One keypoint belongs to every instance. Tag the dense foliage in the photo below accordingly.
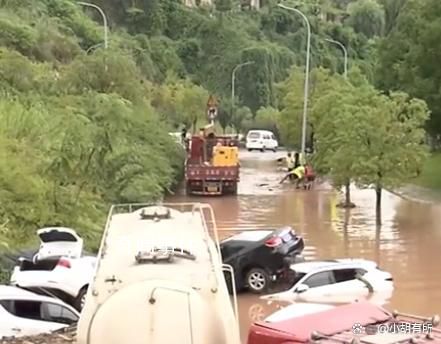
(84, 126)
(360, 135)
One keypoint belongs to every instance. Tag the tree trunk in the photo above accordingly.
(347, 193)
(347, 203)
(378, 192)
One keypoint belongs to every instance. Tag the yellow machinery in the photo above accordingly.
(225, 156)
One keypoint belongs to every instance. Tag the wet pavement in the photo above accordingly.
(408, 243)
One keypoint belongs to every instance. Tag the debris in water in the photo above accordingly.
(65, 335)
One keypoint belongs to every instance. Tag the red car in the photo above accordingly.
(364, 322)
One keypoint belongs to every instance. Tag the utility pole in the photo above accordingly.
(233, 80)
(306, 88)
(87, 4)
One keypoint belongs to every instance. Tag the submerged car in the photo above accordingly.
(59, 267)
(261, 257)
(23, 313)
(337, 281)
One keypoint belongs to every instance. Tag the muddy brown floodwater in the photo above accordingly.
(408, 243)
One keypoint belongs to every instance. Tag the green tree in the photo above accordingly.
(291, 98)
(191, 103)
(392, 142)
(267, 118)
(340, 117)
(392, 10)
(367, 17)
(240, 118)
(408, 60)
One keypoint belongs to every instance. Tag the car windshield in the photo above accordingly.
(253, 135)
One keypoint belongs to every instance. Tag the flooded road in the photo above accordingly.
(408, 243)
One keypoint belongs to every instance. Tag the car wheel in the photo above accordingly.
(263, 149)
(257, 280)
(249, 150)
(80, 300)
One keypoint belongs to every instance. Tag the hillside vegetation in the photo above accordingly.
(84, 126)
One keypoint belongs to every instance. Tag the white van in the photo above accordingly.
(261, 140)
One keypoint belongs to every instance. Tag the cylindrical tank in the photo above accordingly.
(155, 312)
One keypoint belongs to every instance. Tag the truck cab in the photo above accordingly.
(212, 166)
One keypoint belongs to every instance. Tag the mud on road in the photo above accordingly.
(64, 336)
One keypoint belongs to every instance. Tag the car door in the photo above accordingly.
(9, 326)
(27, 317)
(318, 286)
(267, 141)
(274, 141)
(347, 286)
(56, 313)
(231, 255)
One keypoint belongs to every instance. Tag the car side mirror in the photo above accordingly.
(301, 288)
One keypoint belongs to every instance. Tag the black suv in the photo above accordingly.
(260, 257)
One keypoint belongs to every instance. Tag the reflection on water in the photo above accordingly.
(408, 243)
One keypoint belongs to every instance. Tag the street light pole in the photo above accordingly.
(102, 15)
(306, 91)
(345, 52)
(93, 47)
(233, 78)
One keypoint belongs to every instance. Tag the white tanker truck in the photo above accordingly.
(159, 280)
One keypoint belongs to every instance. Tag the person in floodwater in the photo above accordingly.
(296, 174)
(289, 162)
(183, 135)
(296, 160)
(309, 177)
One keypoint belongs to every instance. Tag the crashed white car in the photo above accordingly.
(337, 281)
(58, 268)
(23, 313)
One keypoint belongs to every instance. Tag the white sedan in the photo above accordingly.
(59, 267)
(23, 313)
(337, 281)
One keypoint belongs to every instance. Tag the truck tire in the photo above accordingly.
(187, 189)
(234, 189)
